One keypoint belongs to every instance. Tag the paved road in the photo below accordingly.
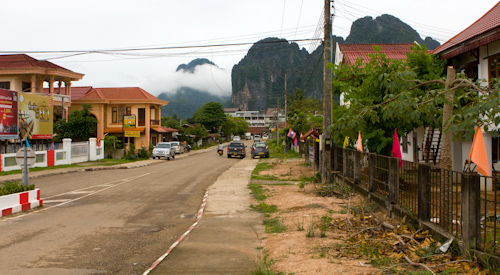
(110, 222)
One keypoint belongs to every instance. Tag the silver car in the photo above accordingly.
(163, 149)
(177, 147)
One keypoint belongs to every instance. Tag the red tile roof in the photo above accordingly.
(484, 31)
(256, 130)
(26, 61)
(352, 52)
(76, 92)
(117, 94)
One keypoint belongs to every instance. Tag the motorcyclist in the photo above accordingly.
(220, 147)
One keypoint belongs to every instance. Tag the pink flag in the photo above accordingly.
(295, 142)
(396, 149)
(359, 145)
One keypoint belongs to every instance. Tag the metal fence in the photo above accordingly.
(439, 197)
(79, 149)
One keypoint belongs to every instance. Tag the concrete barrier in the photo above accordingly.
(14, 203)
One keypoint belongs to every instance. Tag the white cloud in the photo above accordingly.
(206, 77)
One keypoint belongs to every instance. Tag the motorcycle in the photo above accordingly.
(220, 152)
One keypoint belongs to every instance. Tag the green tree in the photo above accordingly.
(211, 115)
(171, 122)
(199, 131)
(81, 125)
(371, 87)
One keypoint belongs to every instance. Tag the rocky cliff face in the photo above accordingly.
(258, 80)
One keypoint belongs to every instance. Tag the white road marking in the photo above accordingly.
(119, 182)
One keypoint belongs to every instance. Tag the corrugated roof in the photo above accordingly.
(466, 40)
(352, 52)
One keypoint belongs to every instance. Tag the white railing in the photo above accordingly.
(75, 152)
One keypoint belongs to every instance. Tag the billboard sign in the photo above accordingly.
(8, 114)
(129, 121)
(36, 117)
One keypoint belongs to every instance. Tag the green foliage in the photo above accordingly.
(112, 143)
(234, 125)
(171, 122)
(199, 131)
(13, 187)
(211, 115)
(274, 225)
(130, 153)
(80, 126)
(143, 153)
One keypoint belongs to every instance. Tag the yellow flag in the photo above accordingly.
(346, 142)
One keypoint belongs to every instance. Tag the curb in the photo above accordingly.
(198, 218)
(18, 202)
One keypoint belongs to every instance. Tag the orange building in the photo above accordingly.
(110, 105)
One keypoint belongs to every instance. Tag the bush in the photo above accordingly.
(130, 154)
(143, 154)
(14, 187)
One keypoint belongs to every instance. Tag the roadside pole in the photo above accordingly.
(326, 136)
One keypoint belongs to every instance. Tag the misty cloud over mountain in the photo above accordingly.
(199, 74)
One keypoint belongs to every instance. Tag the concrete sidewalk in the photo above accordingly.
(226, 239)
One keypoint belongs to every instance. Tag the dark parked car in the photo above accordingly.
(236, 149)
(260, 149)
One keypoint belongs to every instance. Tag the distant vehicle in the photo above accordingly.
(236, 138)
(248, 136)
(260, 149)
(256, 138)
(265, 137)
(177, 147)
(163, 149)
(236, 149)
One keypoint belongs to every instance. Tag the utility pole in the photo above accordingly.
(278, 124)
(327, 119)
(286, 115)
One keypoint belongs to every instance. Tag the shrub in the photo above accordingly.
(14, 187)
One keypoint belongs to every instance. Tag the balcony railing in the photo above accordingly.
(155, 122)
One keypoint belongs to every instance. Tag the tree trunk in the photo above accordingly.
(445, 162)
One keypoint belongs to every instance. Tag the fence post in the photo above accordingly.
(357, 167)
(67, 149)
(424, 192)
(344, 163)
(471, 217)
(372, 164)
(393, 180)
(334, 158)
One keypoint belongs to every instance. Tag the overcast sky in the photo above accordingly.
(104, 25)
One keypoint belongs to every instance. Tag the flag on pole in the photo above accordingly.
(346, 142)
(291, 134)
(359, 144)
(396, 148)
(98, 142)
(295, 142)
(478, 153)
(27, 144)
(52, 147)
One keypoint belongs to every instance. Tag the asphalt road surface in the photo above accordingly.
(109, 222)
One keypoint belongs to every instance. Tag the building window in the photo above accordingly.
(405, 144)
(5, 85)
(494, 66)
(141, 117)
(114, 115)
(26, 87)
(494, 149)
(128, 111)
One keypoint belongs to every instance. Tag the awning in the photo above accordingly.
(163, 129)
(121, 130)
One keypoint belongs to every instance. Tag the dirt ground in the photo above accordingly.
(303, 211)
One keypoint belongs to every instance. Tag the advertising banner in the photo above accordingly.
(129, 121)
(36, 116)
(8, 114)
(132, 134)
